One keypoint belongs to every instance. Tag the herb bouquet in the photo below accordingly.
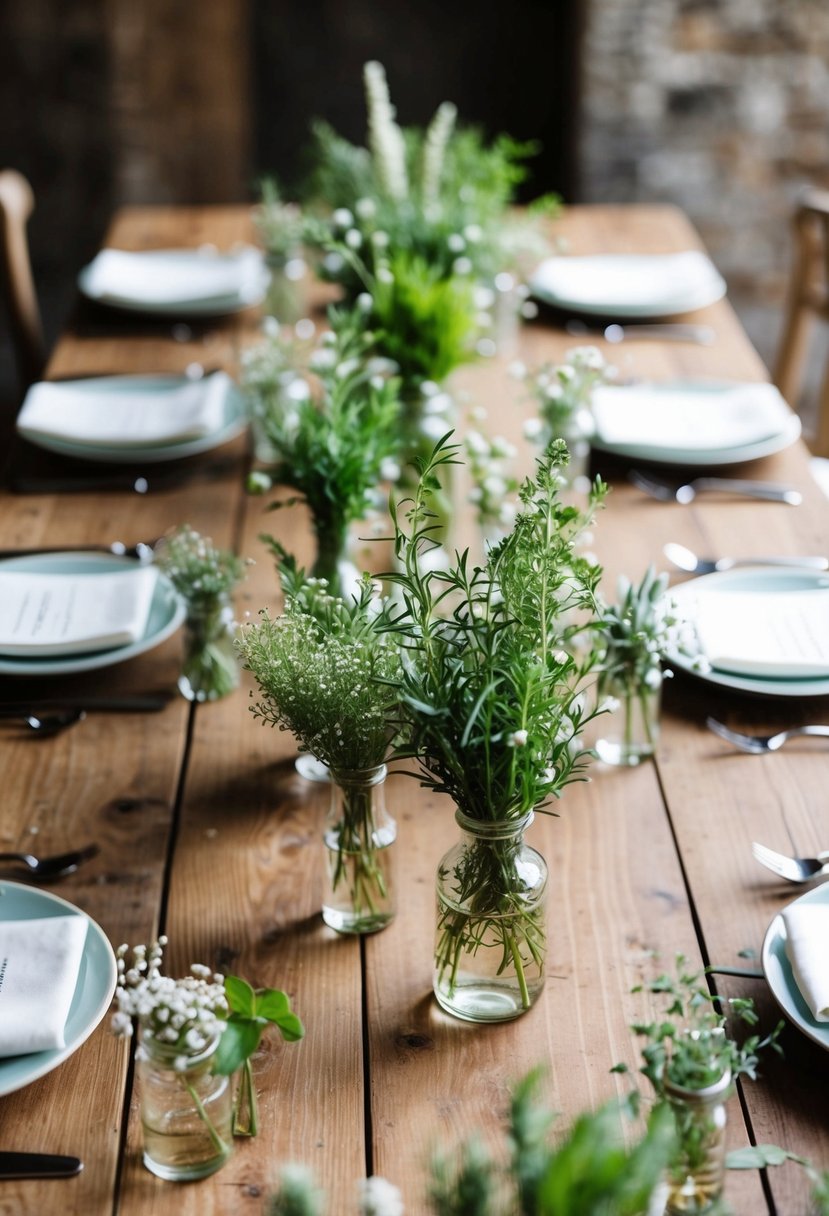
(692, 1063)
(331, 428)
(204, 577)
(327, 671)
(636, 632)
(493, 709)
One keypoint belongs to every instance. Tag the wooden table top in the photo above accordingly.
(206, 831)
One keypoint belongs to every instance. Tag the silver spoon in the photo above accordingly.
(685, 559)
(47, 724)
(55, 866)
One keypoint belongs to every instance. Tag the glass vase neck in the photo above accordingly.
(362, 778)
(497, 829)
(715, 1092)
(166, 1054)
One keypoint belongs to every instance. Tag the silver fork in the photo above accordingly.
(758, 745)
(768, 491)
(793, 869)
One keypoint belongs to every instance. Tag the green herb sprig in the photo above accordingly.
(251, 1011)
(329, 446)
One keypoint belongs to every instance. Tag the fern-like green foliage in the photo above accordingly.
(492, 686)
(424, 321)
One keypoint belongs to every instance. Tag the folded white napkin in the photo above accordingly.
(782, 634)
(161, 277)
(56, 614)
(698, 419)
(125, 417)
(658, 281)
(807, 949)
(39, 964)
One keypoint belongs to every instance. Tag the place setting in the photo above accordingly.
(64, 613)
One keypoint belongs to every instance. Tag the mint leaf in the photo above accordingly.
(239, 1040)
(271, 1004)
(757, 1157)
(240, 996)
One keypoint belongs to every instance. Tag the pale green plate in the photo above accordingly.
(767, 445)
(93, 994)
(167, 612)
(762, 580)
(233, 423)
(779, 976)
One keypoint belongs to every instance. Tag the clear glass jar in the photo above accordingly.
(359, 832)
(697, 1177)
(186, 1112)
(630, 733)
(210, 668)
(491, 938)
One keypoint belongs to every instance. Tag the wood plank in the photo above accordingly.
(245, 894)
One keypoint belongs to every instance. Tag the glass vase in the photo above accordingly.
(186, 1111)
(697, 1176)
(359, 833)
(491, 935)
(286, 294)
(210, 668)
(630, 733)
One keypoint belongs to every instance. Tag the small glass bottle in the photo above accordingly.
(186, 1111)
(210, 668)
(491, 936)
(697, 1177)
(630, 732)
(359, 893)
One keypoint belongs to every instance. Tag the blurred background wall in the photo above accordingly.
(721, 106)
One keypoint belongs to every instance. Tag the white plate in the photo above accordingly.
(233, 424)
(779, 976)
(93, 993)
(177, 261)
(629, 286)
(167, 612)
(762, 580)
(703, 457)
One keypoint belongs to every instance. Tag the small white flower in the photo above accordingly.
(533, 428)
(380, 1198)
(609, 705)
(380, 239)
(653, 677)
(121, 1025)
(389, 469)
(384, 275)
(518, 738)
(473, 233)
(342, 217)
(364, 302)
(517, 369)
(462, 266)
(455, 242)
(354, 238)
(366, 208)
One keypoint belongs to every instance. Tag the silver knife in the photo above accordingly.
(38, 1165)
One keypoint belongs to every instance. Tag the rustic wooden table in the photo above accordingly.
(207, 832)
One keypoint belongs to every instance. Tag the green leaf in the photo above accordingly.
(239, 1041)
(291, 1028)
(271, 1003)
(757, 1157)
(240, 996)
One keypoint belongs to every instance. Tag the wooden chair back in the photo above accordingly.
(808, 299)
(16, 205)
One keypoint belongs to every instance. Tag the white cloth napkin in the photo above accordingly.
(697, 419)
(39, 964)
(161, 277)
(782, 634)
(120, 417)
(807, 949)
(658, 281)
(55, 614)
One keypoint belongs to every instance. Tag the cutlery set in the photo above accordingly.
(685, 559)
(663, 491)
(793, 869)
(55, 866)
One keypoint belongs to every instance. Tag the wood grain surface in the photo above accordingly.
(207, 831)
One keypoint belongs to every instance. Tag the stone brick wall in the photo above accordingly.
(721, 106)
